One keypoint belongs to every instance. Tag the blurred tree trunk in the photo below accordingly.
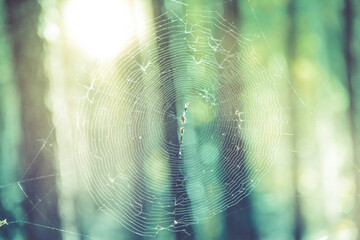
(41, 203)
(9, 127)
(239, 218)
(298, 219)
(171, 133)
(350, 77)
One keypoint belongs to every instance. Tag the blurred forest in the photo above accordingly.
(49, 49)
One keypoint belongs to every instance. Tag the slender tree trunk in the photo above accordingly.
(350, 63)
(239, 222)
(41, 199)
(298, 219)
(9, 127)
(171, 133)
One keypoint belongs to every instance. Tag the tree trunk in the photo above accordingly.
(9, 139)
(171, 133)
(239, 220)
(350, 63)
(37, 156)
(298, 220)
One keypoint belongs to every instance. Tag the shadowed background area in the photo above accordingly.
(91, 99)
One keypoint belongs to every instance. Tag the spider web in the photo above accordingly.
(130, 152)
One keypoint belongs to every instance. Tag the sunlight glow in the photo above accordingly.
(101, 28)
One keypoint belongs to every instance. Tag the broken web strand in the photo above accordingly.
(51, 228)
(135, 158)
(3, 222)
(21, 216)
(23, 222)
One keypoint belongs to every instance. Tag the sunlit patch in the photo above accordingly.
(101, 28)
(202, 111)
(157, 167)
(209, 153)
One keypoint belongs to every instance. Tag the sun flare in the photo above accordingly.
(100, 28)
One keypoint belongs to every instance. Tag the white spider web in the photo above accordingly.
(128, 124)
